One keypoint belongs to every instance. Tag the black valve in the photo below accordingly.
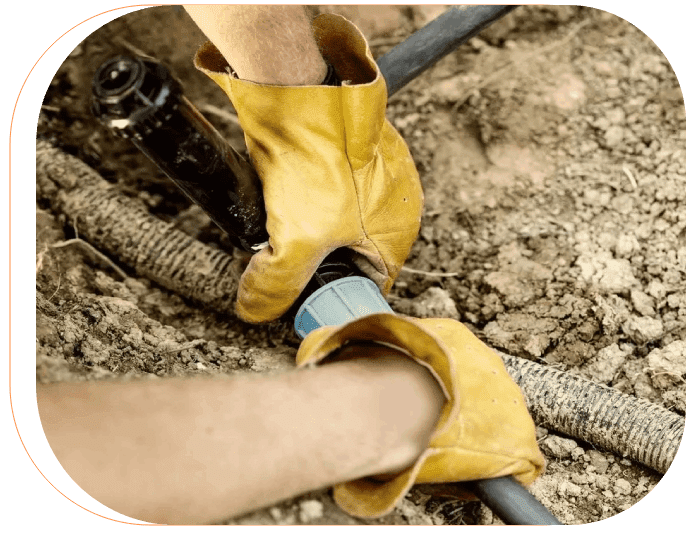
(140, 100)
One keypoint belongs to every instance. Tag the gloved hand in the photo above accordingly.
(334, 172)
(484, 429)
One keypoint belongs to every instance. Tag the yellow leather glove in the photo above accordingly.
(334, 172)
(484, 429)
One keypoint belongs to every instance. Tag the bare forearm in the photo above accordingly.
(195, 451)
(264, 44)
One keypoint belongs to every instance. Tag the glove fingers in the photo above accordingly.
(260, 297)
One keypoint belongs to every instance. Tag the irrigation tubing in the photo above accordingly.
(631, 427)
(431, 43)
(512, 503)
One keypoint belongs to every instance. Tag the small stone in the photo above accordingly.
(657, 289)
(579, 478)
(614, 136)
(134, 336)
(676, 300)
(569, 489)
(436, 302)
(413, 513)
(616, 116)
(668, 364)
(643, 329)
(607, 493)
(643, 303)
(599, 461)
(622, 486)
(606, 363)
(607, 240)
(603, 67)
(626, 245)
(310, 510)
(275, 513)
(577, 453)
(623, 203)
(613, 92)
(607, 274)
(560, 447)
(617, 276)
(643, 387)
(601, 481)
(675, 398)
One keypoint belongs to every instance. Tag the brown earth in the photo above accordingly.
(552, 153)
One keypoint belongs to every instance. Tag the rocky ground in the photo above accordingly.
(552, 153)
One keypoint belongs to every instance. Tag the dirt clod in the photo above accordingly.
(310, 511)
(559, 447)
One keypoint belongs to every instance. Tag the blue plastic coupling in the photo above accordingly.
(339, 302)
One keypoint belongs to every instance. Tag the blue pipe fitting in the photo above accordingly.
(339, 302)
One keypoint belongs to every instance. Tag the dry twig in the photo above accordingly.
(630, 176)
(133, 49)
(90, 249)
(219, 112)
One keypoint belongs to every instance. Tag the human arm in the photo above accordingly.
(270, 44)
(183, 451)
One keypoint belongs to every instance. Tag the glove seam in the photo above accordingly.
(353, 171)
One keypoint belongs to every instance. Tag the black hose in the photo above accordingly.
(437, 39)
(512, 503)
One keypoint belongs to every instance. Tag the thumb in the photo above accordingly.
(273, 281)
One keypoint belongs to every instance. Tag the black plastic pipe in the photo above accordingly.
(512, 503)
(437, 39)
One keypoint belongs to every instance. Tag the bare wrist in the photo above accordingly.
(263, 44)
(410, 400)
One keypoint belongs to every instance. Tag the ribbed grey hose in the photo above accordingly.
(122, 227)
(625, 425)
(631, 427)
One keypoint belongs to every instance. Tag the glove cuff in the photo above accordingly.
(341, 44)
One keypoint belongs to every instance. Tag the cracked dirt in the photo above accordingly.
(551, 148)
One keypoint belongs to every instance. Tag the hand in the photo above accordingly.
(484, 429)
(334, 172)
